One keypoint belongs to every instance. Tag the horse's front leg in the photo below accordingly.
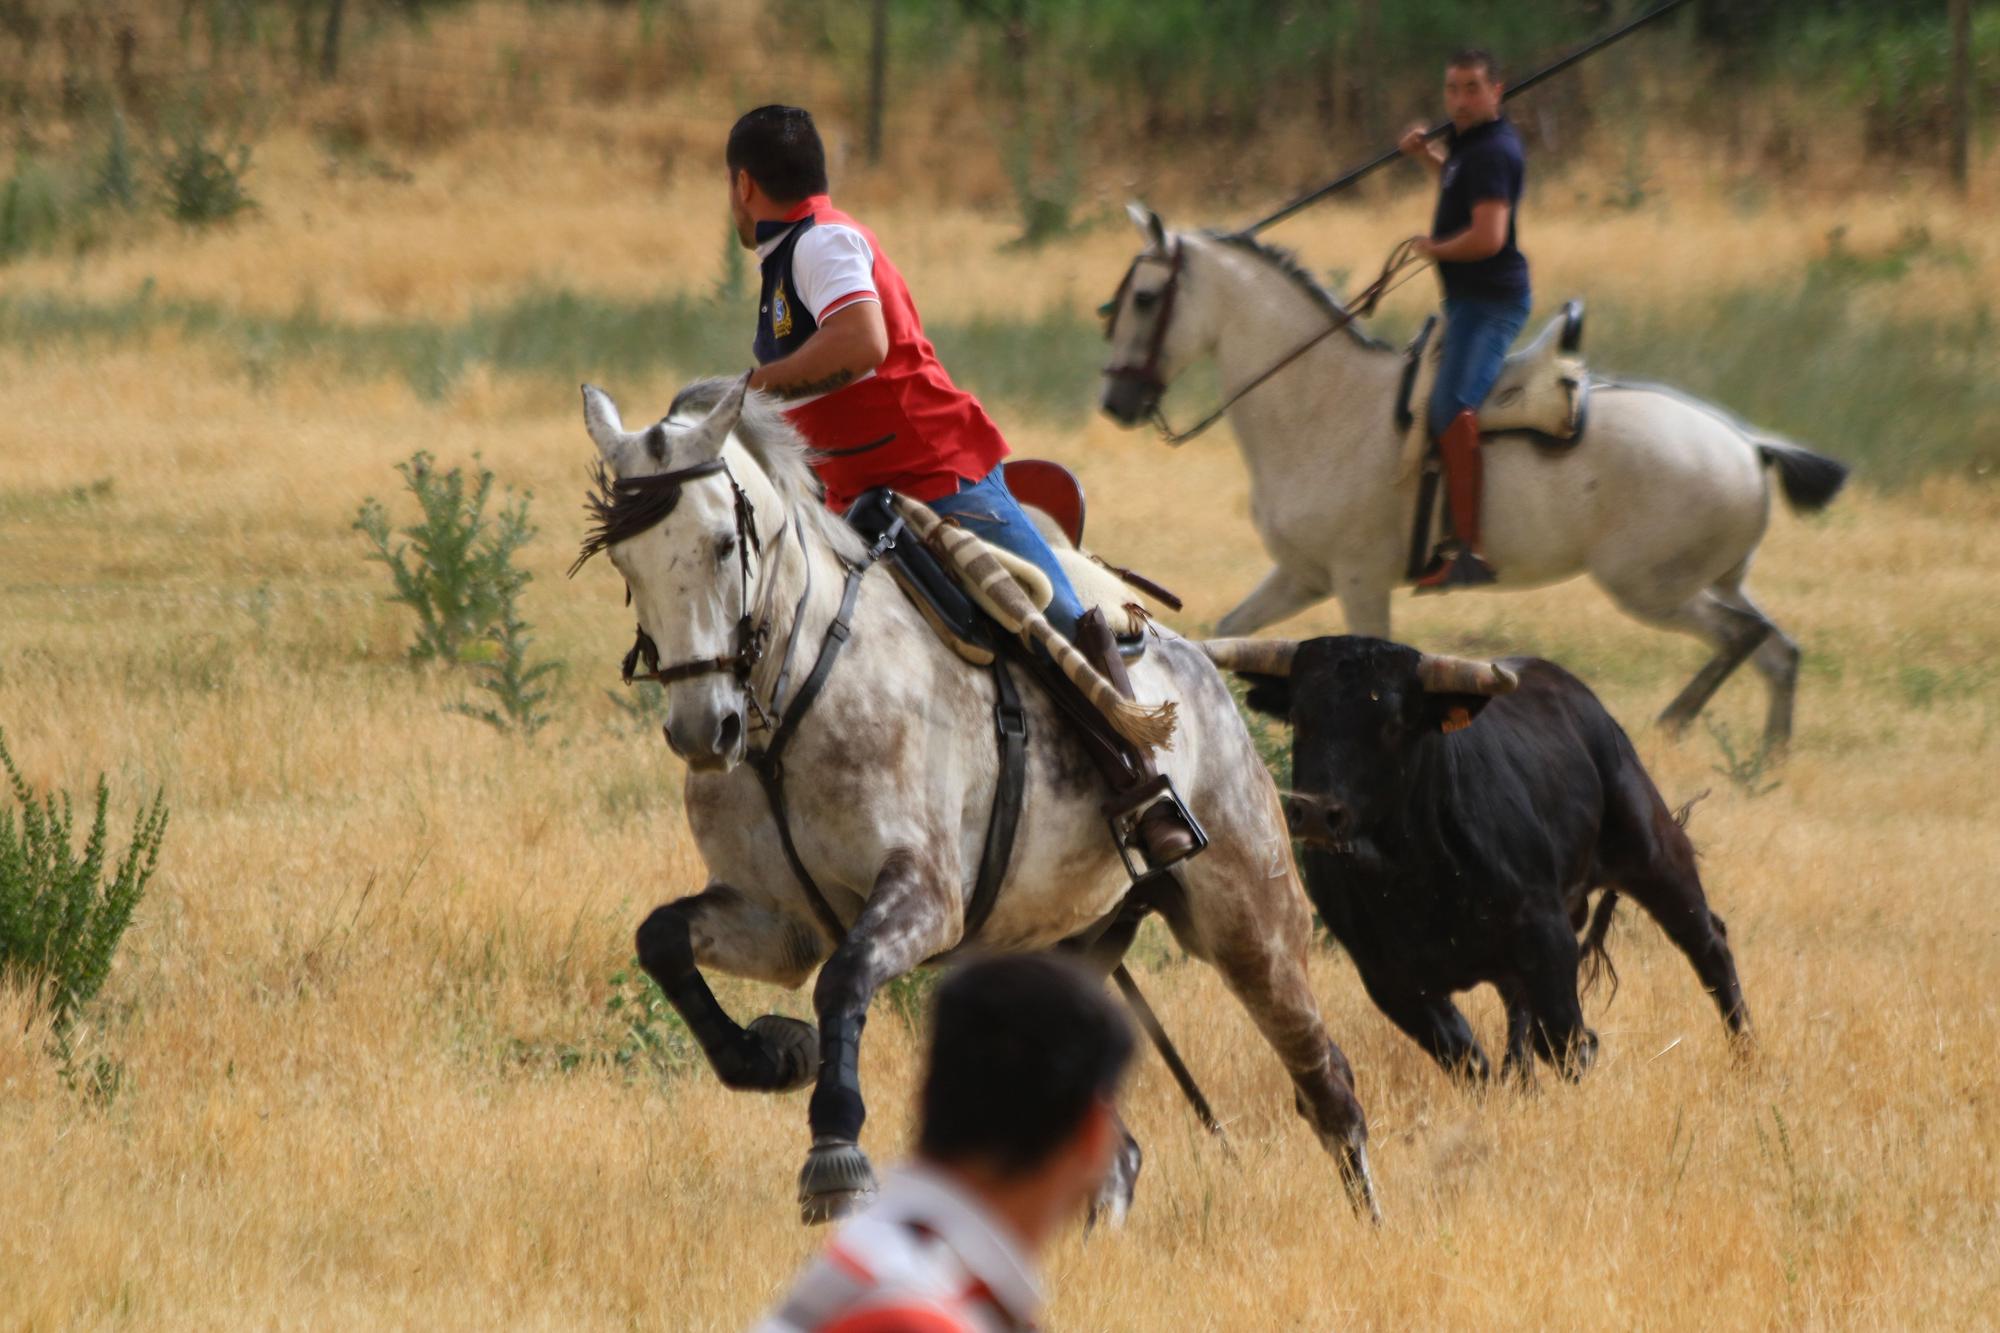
(912, 914)
(721, 928)
(1280, 594)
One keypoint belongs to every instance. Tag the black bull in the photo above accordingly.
(1456, 815)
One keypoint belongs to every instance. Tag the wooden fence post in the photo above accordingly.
(878, 75)
(1961, 94)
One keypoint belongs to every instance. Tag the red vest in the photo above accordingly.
(906, 426)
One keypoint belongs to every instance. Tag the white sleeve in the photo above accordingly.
(833, 268)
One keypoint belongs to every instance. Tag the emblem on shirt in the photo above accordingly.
(781, 313)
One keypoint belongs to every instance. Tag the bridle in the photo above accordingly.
(1402, 260)
(1147, 372)
(628, 506)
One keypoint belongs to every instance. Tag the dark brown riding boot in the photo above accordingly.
(1164, 830)
(1459, 562)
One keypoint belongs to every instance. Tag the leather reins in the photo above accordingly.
(1397, 270)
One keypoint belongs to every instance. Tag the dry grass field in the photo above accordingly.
(368, 1069)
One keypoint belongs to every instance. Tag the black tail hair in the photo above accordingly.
(1596, 959)
(1810, 480)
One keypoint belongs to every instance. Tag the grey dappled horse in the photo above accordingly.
(1662, 502)
(889, 778)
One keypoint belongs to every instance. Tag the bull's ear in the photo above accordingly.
(1452, 712)
(1269, 695)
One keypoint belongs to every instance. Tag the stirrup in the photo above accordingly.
(1124, 818)
(1459, 569)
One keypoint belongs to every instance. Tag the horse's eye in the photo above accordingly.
(725, 547)
(1145, 300)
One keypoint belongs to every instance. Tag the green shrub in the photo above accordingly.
(456, 570)
(201, 184)
(61, 913)
(510, 680)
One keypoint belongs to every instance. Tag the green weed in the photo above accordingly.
(62, 913)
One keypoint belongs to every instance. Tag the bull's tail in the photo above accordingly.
(1810, 480)
(1596, 958)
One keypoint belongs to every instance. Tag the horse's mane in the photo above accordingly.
(1301, 277)
(782, 453)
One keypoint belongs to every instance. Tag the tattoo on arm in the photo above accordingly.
(807, 388)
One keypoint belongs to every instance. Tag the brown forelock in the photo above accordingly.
(624, 507)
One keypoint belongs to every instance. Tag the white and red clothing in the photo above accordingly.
(926, 1257)
(904, 424)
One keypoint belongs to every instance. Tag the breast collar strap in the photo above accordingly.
(768, 762)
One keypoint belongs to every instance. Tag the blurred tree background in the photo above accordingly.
(1227, 93)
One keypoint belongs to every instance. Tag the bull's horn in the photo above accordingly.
(1259, 657)
(1440, 674)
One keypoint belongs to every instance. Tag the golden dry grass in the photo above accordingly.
(341, 1011)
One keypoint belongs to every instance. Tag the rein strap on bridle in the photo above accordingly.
(1394, 273)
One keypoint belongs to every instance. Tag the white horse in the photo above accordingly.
(1663, 500)
(888, 771)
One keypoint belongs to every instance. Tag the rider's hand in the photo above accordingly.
(1413, 142)
(1424, 245)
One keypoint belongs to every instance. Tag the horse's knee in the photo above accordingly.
(664, 944)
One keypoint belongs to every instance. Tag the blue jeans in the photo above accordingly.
(1477, 334)
(989, 511)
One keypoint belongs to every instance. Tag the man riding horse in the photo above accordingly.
(839, 340)
(1486, 295)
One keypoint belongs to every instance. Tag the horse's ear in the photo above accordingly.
(1149, 224)
(600, 418)
(707, 439)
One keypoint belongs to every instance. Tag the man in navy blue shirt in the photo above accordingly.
(1480, 171)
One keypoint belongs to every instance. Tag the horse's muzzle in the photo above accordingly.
(708, 744)
(1128, 398)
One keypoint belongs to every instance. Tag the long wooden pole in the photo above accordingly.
(1348, 178)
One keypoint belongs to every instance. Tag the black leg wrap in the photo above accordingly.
(836, 1110)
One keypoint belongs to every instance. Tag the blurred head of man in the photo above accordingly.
(1027, 1053)
(775, 160)
(1472, 89)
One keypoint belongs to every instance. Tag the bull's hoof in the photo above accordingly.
(835, 1182)
(793, 1045)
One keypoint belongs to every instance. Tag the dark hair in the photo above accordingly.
(780, 148)
(1021, 1045)
(1471, 58)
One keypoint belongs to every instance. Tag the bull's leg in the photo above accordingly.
(722, 929)
(1519, 1062)
(1247, 915)
(1435, 1023)
(1672, 896)
(910, 916)
(1549, 959)
(1280, 594)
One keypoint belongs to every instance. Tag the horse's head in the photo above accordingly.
(1146, 322)
(681, 525)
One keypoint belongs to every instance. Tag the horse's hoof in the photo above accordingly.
(835, 1182)
(793, 1046)
(1359, 1180)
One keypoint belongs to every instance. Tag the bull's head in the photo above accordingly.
(1364, 714)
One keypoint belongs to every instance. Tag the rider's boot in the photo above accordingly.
(1459, 563)
(1164, 829)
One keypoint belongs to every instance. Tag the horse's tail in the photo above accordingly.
(1810, 480)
